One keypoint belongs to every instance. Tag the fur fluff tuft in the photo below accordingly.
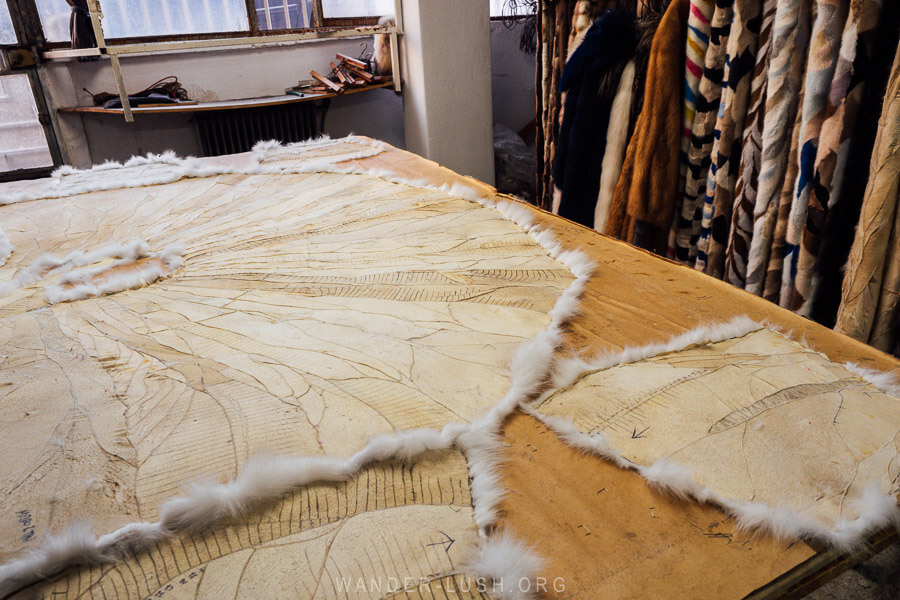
(675, 479)
(510, 564)
(885, 381)
(6, 247)
(262, 478)
(76, 546)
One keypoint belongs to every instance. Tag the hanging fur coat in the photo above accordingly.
(590, 80)
(648, 186)
(871, 67)
(787, 55)
(745, 187)
(739, 63)
(687, 227)
(870, 305)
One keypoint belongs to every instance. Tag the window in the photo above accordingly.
(284, 14)
(342, 9)
(7, 33)
(140, 18)
(22, 141)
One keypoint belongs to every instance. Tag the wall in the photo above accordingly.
(209, 75)
(262, 71)
(447, 110)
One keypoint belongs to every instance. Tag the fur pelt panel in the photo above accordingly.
(267, 477)
(876, 509)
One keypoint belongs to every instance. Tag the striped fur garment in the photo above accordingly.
(698, 27)
(745, 188)
(698, 157)
(740, 60)
(823, 56)
(785, 77)
(844, 98)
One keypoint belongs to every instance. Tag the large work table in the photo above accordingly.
(601, 530)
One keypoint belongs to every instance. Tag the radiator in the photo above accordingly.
(231, 131)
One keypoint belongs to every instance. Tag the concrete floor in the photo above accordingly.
(876, 579)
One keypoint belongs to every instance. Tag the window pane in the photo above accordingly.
(7, 33)
(55, 19)
(336, 9)
(270, 14)
(132, 18)
(22, 141)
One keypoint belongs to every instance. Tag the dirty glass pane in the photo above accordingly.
(55, 19)
(22, 141)
(337, 9)
(270, 14)
(128, 18)
(7, 33)
(132, 18)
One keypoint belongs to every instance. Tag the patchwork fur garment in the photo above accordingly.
(648, 186)
(871, 66)
(699, 24)
(844, 97)
(745, 188)
(871, 291)
(740, 59)
(823, 55)
(698, 157)
(590, 80)
(786, 64)
(772, 284)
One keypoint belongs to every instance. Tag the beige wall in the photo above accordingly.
(447, 107)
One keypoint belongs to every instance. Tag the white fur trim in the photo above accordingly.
(510, 564)
(47, 264)
(58, 185)
(884, 381)
(6, 247)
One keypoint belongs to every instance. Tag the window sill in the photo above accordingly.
(151, 48)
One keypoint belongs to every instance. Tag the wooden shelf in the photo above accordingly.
(223, 104)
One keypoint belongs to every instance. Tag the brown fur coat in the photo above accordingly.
(648, 185)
